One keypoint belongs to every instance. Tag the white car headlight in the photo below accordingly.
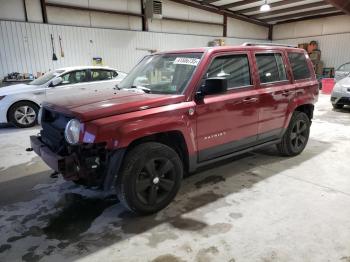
(40, 115)
(72, 131)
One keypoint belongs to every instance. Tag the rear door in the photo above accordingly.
(102, 80)
(276, 92)
(227, 122)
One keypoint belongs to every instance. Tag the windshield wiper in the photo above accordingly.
(142, 88)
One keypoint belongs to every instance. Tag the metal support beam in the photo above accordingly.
(43, 11)
(25, 11)
(224, 33)
(144, 18)
(342, 5)
(93, 10)
(270, 36)
(309, 18)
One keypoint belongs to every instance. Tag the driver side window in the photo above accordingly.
(235, 68)
(74, 77)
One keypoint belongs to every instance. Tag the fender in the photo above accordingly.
(302, 97)
(121, 130)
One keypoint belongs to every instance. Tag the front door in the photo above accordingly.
(227, 122)
(73, 85)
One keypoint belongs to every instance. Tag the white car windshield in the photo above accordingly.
(46, 78)
(163, 73)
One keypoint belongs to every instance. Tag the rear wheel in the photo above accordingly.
(296, 136)
(23, 114)
(150, 178)
(338, 106)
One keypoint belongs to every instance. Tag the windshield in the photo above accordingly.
(163, 73)
(45, 78)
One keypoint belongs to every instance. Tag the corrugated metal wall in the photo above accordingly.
(335, 48)
(26, 47)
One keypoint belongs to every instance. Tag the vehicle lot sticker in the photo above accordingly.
(186, 61)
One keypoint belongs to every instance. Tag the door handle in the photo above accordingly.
(250, 100)
(286, 93)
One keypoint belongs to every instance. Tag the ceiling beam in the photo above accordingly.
(309, 18)
(272, 5)
(343, 5)
(210, 1)
(301, 14)
(291, 9)
(215, 9)
(239, 3)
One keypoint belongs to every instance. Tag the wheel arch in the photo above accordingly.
(308, 109)
(174, 139)
(20, 101)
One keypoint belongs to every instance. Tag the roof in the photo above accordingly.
(84, 67)
(248, 46)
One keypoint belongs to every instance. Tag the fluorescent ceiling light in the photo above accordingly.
(265, 7)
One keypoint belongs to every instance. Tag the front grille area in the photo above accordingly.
(52, 133)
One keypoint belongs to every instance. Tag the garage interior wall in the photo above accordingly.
(331, 33)
(118, 39)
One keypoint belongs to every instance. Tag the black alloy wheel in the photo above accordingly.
(296, 136)
(155, 181)
(150, 177)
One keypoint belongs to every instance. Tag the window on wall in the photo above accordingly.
(271, 67)
(299, 65)
(235, 68)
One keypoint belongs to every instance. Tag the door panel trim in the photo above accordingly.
(238, 145)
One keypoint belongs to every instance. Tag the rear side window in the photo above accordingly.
(235, 68)
(299, 65)
(100, 75)
(271, 67)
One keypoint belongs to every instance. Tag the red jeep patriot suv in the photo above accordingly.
(177, 111)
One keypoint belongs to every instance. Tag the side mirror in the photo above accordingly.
(213, 86)
(56, 81)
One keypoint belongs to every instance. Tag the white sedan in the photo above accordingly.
(19, 104)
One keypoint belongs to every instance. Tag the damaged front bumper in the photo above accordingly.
(91, 165)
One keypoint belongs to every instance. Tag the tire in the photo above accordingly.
(296, 136)
(337, 106)
(23, 114)
(150, 178)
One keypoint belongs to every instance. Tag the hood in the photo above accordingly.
(87, 108)
(17, 89)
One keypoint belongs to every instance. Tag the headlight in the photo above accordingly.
(72, 131)
(40, 115)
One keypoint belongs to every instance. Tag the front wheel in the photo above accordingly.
(23, 114)
(150, 178)
(296, 136)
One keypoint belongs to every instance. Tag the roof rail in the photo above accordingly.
(267, 44)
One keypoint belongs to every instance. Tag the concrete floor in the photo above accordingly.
(257, 207)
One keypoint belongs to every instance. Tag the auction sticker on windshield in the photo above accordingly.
(186, 61)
